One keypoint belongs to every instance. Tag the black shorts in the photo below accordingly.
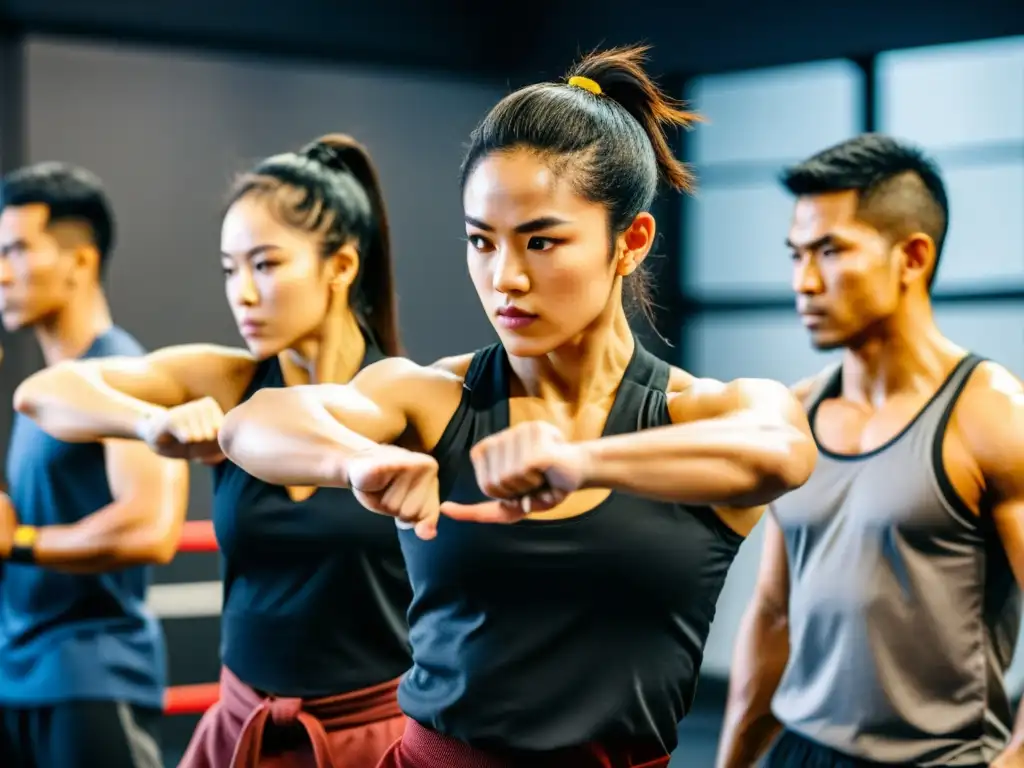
(81, 734)
(794, 751)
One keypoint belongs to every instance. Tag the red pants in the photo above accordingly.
(423, 748)
(352, 730)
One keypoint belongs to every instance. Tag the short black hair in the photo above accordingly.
(612, 144)
(900, 188)
(70, 193)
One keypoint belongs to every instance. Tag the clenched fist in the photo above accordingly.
(530, 467)
(402, 484)
(187, 431)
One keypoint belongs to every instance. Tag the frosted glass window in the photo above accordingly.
(954, 95)
(735, 241)
(771, 114)
(773, 344)
(985, 245)
(994, 330)
(768, 344)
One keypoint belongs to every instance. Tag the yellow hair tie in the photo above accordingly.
(586, 84)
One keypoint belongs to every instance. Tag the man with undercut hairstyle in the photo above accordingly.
(887, 605)
(82, 661)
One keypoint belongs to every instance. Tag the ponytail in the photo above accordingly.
(621, 77)
(375, 295)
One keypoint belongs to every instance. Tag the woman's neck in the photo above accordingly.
(333, 355)
(587, 369)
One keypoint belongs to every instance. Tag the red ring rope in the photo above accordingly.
(196, 536)
(190, 699)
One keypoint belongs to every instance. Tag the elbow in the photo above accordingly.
(150, 529)
(161, 552)
(783, 465)
(794, 461)
(23, 401)
(227, 435)
(156, 552)
(26, 396)
(235, 421)
(31, 393)
(150, 545)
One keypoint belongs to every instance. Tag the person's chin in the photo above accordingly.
(13, 321)
(825, 342)
(523, 345)
(262, 349)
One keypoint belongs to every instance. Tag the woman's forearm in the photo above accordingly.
(71, 402)
(288, 437)
(730, 461)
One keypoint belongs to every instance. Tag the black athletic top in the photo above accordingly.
(315, 593)
(550, 634)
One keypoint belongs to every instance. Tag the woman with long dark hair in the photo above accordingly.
(314, 630)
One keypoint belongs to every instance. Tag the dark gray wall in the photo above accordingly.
(19, 352)
(167, 131)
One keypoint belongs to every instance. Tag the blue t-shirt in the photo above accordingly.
(62, 636)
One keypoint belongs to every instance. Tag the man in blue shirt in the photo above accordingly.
(82, 661)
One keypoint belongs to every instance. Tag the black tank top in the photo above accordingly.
(550, 634)
(315, 592)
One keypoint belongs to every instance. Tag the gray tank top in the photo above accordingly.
(903, 612)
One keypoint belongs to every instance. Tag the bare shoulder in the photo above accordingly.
(803, 389)
(991, 389)
(691, 398)
(990, 414)
(209, 370)
(401, 382)
(457, 366)
(426, 395)
(394, 372)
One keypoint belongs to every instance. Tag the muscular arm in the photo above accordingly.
(142, 525)
(990, 417)
(731, 445)
(305, 435)
(90, 400)
(759, 659)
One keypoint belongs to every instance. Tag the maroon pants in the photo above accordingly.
(421, 747)
(351, 730)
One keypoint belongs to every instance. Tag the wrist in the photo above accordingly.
(588, 462)
(337, 463)
(23, 544)
(141, 426)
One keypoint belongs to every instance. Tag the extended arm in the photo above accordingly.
(733, 445)
(142, 525)
(90, 400)
(305, 435)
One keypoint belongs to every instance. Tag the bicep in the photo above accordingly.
(760, 398)
(136, 474)
(176, 375)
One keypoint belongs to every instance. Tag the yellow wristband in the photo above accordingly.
(25, 536)
(23, 544)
